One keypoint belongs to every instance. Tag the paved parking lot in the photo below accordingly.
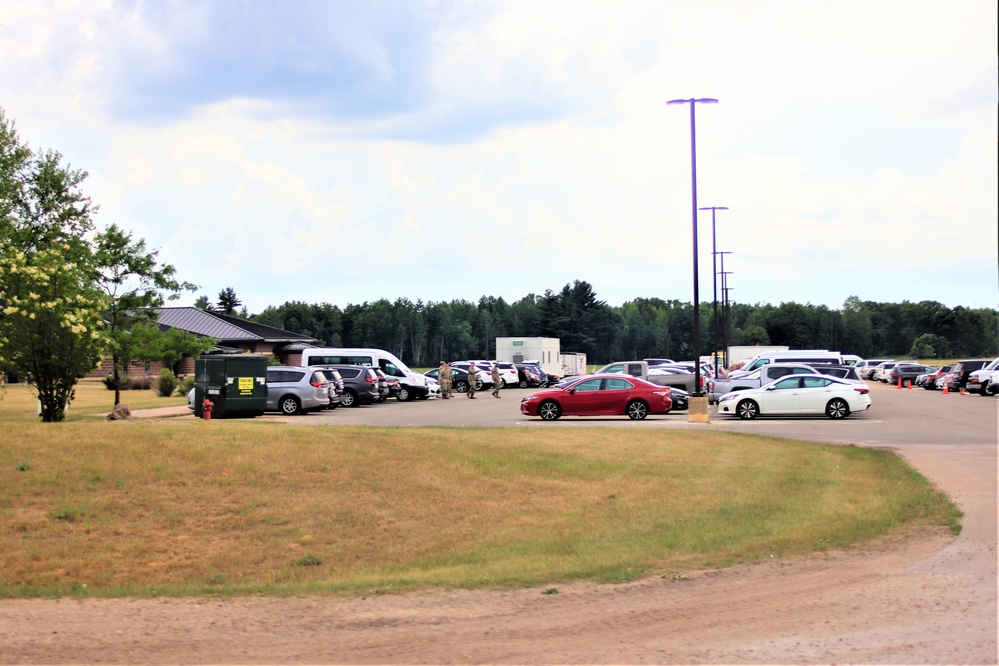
(898, 417)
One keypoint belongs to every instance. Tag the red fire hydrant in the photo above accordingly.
(206, 409)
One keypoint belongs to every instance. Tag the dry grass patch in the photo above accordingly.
(232, 507)
(92, 399)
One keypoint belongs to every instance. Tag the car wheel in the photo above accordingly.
(349, 398)
(522, 383)
(461, 387)
(747, 410)
(543, 385)
(478, 385)
(290, 405)
(637, 410)
(549, 410)
(837, 409)
(988, 389)
(404, 394)
(502, 383)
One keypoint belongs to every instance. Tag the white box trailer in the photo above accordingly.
(573, 363)
(741, 353)
(520, 350)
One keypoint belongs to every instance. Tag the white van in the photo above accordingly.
(411, 384)
(792, 356)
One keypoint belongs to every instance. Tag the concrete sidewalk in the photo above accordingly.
(161, 412)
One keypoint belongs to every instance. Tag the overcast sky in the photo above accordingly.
(343, 152)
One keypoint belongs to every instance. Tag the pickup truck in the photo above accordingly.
(660, 376)
(759, 377)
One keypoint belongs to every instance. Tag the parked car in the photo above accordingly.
(383, 385)
(928, 380)
(296, 390)
(990, 385)
(883, 371)
(961, 373)
(335, 386)
(599, 395)
(509, 373)
(907, 373)
(867, 367)
(485, 379)
(978, 378)
(680, 398)
(459, 379)
(798, 395)
(944, 380)
(360, 385)
(844, 372)
(545, 379)
(528, 377)
(757, 378)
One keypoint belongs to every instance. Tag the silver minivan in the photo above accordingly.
(293, 390)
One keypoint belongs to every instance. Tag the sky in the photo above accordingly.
(342, 152)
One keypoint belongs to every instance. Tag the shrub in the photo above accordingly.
(109, 383)
(139, 383)
(166, 384)
(185, 385)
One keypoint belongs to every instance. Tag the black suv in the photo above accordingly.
(959, 373)
(907, 373)
(360, 385)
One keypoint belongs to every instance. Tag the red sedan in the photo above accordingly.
(599, 395)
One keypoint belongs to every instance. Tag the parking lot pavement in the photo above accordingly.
(898, 417)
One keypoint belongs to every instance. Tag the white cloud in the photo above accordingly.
(844, 129)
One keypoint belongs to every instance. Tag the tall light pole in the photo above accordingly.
(698, 393)
(714, 262)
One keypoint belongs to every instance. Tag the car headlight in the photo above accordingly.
(727, 396)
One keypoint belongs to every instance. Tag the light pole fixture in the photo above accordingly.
(698, 393)
(714, 263)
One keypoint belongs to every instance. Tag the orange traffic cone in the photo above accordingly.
(909, 387)
(946, 388)
(899, 382)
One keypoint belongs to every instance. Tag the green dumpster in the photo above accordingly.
(235, 384)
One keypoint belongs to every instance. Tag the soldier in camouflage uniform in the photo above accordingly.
(497, 382)
(444, 377)
(473, 379)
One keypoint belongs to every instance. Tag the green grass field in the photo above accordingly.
(186, 507)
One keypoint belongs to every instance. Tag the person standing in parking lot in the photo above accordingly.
(496, 379)
(444, 377)
(473, 379)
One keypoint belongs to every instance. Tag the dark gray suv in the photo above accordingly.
(360, 384)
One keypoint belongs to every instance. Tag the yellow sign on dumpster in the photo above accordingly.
(245, 385)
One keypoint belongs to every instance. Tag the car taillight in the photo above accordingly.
(316, 384)
(371, 380)
(862, 391)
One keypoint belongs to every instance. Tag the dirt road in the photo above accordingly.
(916, 599)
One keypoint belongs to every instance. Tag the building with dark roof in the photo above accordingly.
(234, 336)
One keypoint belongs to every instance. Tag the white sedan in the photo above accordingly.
(799, 395)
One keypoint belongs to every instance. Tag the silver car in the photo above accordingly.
(296, 390)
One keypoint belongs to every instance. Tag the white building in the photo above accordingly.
(520, 350)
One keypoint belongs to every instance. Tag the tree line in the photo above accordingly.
(423, 334)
